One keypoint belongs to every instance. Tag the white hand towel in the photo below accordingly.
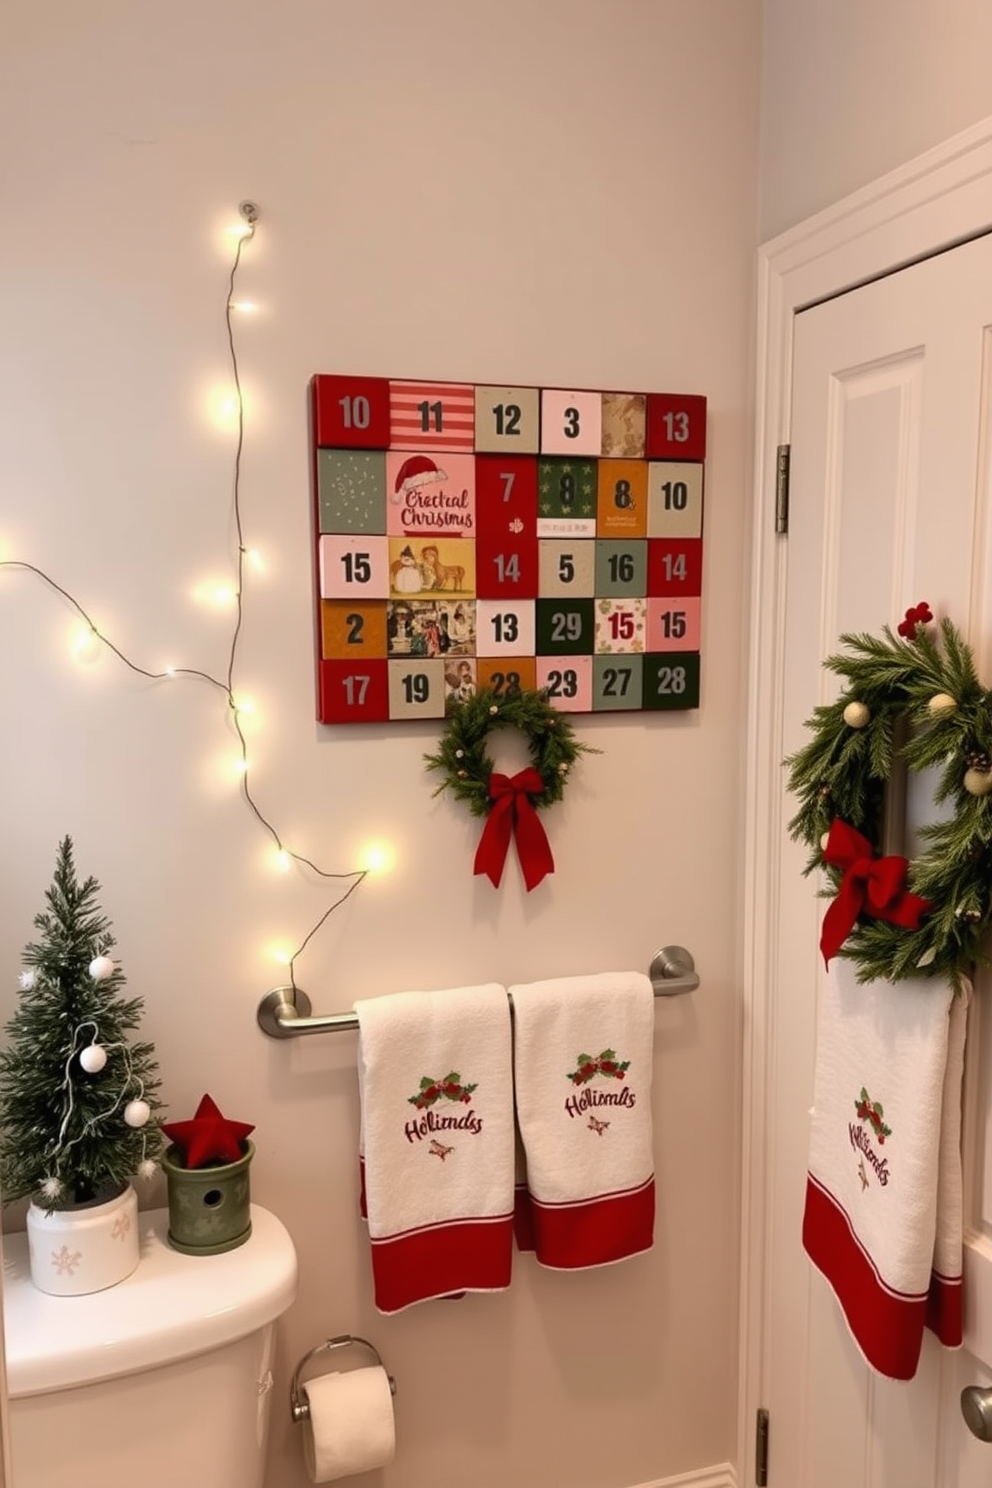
(436, 1091)
(583, 1062)
(883, 1217)
(945, 1301)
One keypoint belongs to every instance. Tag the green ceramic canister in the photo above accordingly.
(209, 1207)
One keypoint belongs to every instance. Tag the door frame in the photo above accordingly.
(935, 201)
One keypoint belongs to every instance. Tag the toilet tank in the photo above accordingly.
(163, 1381)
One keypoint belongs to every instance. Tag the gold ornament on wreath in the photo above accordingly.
(911, 700)
(510, 803)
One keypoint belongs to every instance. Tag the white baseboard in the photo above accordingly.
(721, 1476)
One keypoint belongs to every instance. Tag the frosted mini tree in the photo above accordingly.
(77, 1099)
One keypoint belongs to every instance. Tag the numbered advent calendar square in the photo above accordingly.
(504, 536)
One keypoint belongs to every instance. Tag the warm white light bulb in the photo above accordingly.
(240, 765)
(283, 861)
(85, 643)
(248, 307)
(223, 407)
(244, 705)
(254, 557)
(378, 857)
(214, 593)
(281, 955)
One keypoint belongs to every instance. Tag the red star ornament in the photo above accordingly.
(209, 1137)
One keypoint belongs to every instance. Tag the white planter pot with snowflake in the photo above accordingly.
(86, 1248)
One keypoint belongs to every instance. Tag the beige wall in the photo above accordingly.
(853, 88)
(554, 193)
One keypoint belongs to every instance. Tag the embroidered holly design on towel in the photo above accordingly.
(587, 1068)
(871, 1122)
(430, 1121)
(450, 1088)
(873, 1111)
(607, 1063)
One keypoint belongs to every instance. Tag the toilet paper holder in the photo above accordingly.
(298, 1403)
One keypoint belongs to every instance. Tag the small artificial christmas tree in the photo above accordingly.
(76, 1098)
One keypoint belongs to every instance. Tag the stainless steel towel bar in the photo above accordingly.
(285, 1011)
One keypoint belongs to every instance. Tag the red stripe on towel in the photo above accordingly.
(523, 1218)
(594, 1232)
(945, 1309)
(468, 1255)
(887, 1325)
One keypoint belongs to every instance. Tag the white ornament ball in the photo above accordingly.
(147, 1169)
(26, 980)
(101, 967)
(93, 1058)
(137, 1112)
(941, 702)
(857, 715)
(978, 782)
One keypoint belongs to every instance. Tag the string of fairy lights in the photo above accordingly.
(92, 1059)
(91, 633)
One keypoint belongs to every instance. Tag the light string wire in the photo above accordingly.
(129, 1083)
(250, 213)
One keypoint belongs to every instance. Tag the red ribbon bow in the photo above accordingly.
(513, 815)
(874, 886)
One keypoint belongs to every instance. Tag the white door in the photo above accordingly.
(891, 503)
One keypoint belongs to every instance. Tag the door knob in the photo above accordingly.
(976, 1407)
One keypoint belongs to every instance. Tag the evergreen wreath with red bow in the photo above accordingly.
(912, 695)
(510, 803)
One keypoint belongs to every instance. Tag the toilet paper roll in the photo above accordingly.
(351, 1428)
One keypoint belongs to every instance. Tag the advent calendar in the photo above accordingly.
(509, 537)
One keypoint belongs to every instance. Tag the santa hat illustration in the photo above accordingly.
(417, 471)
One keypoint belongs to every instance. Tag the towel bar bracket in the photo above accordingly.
(285, 1012)
(672, 972)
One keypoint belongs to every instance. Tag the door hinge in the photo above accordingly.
(782, 488)
(761, 1448)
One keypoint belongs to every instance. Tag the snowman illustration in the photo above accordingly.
(406, 575)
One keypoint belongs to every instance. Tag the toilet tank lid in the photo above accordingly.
(171, 1307)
